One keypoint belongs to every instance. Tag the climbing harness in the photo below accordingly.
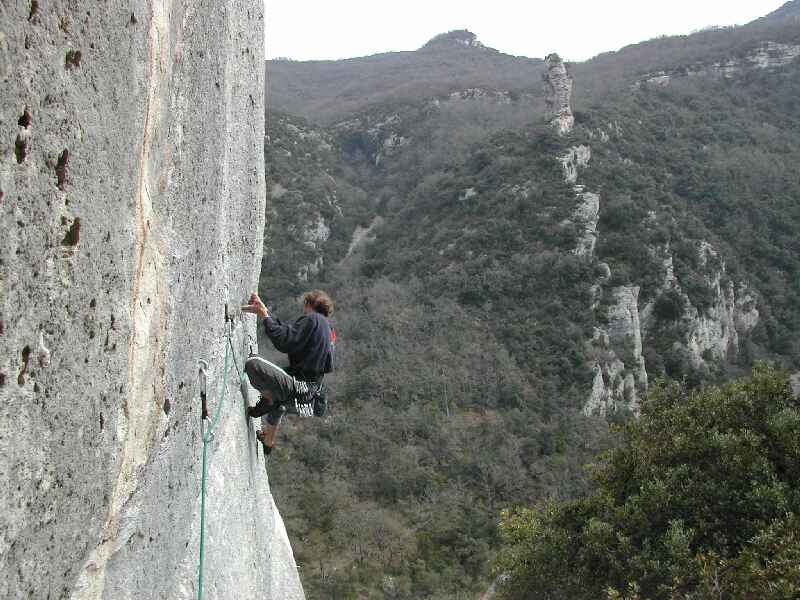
(309, 399)
(207, 431)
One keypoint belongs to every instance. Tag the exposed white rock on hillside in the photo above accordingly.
(587, 215)
(361, 235)
(132, 208)
(715, 333)
(578, 156)
(771, 55)
(619, 369)
(712, 333)
(558, 92)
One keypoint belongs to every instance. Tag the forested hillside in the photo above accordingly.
(500, 287)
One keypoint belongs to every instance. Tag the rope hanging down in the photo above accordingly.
(208, 432)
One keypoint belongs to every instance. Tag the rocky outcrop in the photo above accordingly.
(313, 236)
(587, 211)
(132, 209)
(558, 87)
(619, 369)
(616, 349)
(558, 94)
(375, 137)
(771, 55)
(362, 235)
(586, 216)
(578, 156)
(713, 332)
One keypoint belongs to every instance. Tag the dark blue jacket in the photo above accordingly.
(308, 342)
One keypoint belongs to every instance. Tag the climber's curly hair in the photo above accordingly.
(319, 301)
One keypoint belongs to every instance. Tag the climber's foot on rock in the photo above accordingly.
(262, 438)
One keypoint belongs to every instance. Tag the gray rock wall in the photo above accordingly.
(132, 209)
(558, 94)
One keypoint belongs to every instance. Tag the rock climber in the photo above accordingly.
(309, 341)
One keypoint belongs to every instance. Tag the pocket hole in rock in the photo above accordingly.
(25, 119)
(73, 235)
(72, 59)
(61, 169)
(26, 355)
(133, 19)
(93, 303)
(166, 406)
(102, 422)
(20, 149)
(34, 9)
(2, 379)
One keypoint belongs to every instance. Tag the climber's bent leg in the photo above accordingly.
(270, 380)
(277, 388)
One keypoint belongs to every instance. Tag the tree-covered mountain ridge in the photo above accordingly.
(715, 306)
(497, 277)
(329, 91)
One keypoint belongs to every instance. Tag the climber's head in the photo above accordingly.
(318, 301)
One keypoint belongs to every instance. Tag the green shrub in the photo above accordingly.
(703, 492)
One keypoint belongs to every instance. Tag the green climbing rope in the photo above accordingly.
(222, 386)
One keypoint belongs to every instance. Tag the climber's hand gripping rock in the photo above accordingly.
(256, 306)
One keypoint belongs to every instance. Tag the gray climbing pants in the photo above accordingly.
(289, 395)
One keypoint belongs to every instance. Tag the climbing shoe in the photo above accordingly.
(267, 449)
(260, 409)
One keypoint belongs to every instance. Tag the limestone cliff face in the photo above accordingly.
(558, 93)
(711, 333)
(620, 375)
(770, 55)
(132, 208)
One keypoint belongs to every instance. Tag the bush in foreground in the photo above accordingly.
(700, 500)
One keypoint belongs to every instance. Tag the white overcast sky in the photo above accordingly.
(576, 29)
